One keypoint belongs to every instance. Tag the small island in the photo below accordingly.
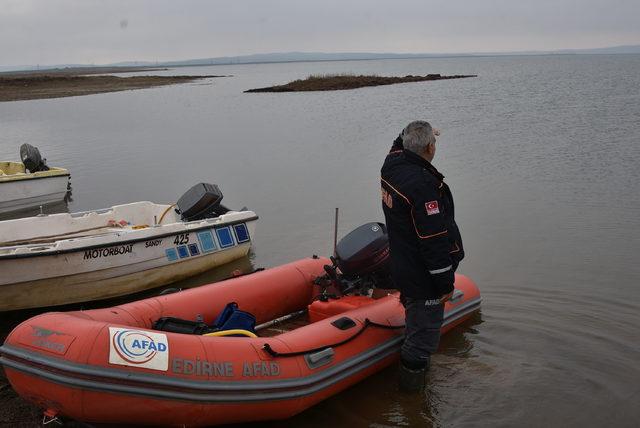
(335, 82)
(58, 83)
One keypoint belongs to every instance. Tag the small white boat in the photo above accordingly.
(57, 259)
(30, 183)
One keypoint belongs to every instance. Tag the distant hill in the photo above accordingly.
(323, 56)
(353, 56)
(280, 57)
(629, 49)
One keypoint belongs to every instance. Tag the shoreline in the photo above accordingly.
(61, 83)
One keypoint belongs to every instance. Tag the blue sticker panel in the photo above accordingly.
(224, 237)
(171, 253)
(193, 249)
(182, 251)
(207, 243)
(242, 234)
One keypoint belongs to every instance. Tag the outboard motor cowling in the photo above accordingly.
(201, 201)
(32, 159)
(363, 250)
(361, 262)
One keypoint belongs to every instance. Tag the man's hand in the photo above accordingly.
(446, 297)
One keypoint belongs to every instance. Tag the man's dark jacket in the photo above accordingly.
(424, 239)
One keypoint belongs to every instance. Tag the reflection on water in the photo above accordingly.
(52, 208)
(237, 267)
(377, 401)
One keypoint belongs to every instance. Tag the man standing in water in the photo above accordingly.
(424, 241)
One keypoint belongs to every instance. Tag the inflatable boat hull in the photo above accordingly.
(109, 366)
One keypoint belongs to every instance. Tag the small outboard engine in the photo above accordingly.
(32, 159)
(363, 251)
(362, 261)
(200, 202)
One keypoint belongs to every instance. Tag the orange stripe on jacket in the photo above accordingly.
(396, 190)
(415, 227)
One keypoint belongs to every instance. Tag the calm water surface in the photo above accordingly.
(542, 155)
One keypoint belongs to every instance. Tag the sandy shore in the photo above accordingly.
(341, 82)
(30, 85)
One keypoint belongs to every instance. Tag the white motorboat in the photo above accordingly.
(57, 259)
(30, 183)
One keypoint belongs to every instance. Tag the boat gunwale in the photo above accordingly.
(276, 389)
(57, 172)
(123, 242)
(113, 377)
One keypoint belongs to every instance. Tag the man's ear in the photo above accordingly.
(431, 148)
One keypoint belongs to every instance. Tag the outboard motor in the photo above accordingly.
(32, 159)
(363, 251)
(362, 260)
(200, 202)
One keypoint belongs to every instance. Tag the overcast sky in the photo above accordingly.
(104, 31)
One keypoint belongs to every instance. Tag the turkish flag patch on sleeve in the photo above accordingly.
(432, 207)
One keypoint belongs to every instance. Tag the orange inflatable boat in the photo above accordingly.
(117, 365)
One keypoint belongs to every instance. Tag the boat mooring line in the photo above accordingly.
(165, 381)
(239, 396)
(259, 390)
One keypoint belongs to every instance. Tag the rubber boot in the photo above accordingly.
(413, 379)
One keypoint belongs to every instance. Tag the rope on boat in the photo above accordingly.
(280, 320)
(165, 213)
(367, 323)
(231, 332)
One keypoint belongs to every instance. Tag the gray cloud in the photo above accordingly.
(93, 31)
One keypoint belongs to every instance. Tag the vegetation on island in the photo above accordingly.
(334, 82)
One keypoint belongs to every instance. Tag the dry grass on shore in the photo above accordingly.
(333, 82)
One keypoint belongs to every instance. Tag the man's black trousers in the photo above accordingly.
(423, 319)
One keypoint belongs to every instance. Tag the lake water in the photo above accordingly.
(542, 156)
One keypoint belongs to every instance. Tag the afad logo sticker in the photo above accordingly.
(138, 348)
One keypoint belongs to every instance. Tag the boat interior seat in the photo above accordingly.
(12, 168)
